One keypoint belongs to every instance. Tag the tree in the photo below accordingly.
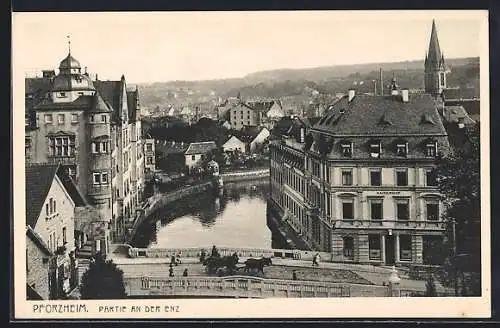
(103, 280)
(459, 181)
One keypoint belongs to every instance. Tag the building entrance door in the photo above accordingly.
(389, 250)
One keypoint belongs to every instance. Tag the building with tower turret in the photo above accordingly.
(92, 129)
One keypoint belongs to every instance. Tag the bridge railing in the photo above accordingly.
(226, 251)
(233, 286)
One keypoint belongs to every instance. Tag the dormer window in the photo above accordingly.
(375, 148)
(402, 149)
(62, 94)
(431, 149)
(346, 148)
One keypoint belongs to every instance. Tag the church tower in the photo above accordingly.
(435, 69)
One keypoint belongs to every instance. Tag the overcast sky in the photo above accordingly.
(150, 47)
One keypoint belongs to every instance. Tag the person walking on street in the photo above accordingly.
(171, 271)
(318, 259)
(185, 273)
(215, 252)
(294, 275)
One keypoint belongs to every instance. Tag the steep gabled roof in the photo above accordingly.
(363, 116)
(39, 178)
(200, 147)
(111, 92)
(37, 85)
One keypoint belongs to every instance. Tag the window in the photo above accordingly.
(430, 178)
(104, 178)
(74, 118)
(62, 146)
(374, 242)
(346, 148)
(149, 147)
(62, 94)
(104, 118)
(315, 169)
(402, 149)
(432, 210)
(94, 147)
(376, 209)
(64, 235)
(348, 247)
(347, 177)
(104, 146)
(375, 177)
(442, 79)
(96, 178)
(347, 210)
(431, 149)
(405, 248)
(92, 118)
(402, 209)
(149, 160)
(401, 177)
(48, 118)
(26, 121)
(60, 118)
(27, 145)
(47, 212)
(193, 157)
(375, 149)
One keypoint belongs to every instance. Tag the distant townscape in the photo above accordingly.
(363, 180)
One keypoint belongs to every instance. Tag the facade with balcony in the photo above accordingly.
(360, 183)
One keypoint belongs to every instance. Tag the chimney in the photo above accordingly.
(381, 78)
(96, 77)
(404, 95)
(351, 94)
(302, 137)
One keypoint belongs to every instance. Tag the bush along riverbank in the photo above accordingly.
(242, 175)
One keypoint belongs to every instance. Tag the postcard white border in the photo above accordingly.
(475, 307)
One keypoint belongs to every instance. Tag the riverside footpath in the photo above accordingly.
(365, 280)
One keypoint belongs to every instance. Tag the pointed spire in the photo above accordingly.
(434, 54)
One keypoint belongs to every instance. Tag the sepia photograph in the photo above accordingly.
(301, 162)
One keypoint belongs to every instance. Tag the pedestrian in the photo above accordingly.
(294, 275)
(185, 273)
(171, 272)
(203, 255)
(172, 260)
(178, 258)
(318, 259)
(315, 258)
(215, 252)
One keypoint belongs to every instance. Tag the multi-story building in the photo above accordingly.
(150, 156)
(361, 183)
(92, 128)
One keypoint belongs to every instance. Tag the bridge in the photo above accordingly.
(234, 286)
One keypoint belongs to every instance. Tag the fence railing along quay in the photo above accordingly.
(226, 251)
(233, 286)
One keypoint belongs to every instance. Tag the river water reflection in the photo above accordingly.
(237, 218)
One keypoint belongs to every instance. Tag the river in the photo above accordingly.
(237, 218)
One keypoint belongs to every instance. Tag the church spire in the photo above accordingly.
(434, 55)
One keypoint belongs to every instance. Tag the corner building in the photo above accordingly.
(360, 183)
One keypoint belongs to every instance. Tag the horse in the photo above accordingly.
(252, 264)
